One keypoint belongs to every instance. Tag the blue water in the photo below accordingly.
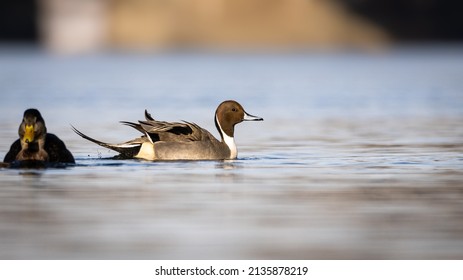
(360, 156)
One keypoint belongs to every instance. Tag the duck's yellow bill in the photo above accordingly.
(29, 134)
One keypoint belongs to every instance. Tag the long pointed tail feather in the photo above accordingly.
(127, 150)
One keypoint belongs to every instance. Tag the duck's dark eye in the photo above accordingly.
(234, 109)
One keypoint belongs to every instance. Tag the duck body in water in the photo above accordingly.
(35, 145)
(183, 140)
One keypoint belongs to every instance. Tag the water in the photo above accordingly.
(360, 156)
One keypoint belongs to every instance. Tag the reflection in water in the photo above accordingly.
(227, 164)
(360, 159)
(33, 175)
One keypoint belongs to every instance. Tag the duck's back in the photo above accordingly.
(13, 152)
(57, 151)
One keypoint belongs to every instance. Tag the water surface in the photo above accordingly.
(360, 156)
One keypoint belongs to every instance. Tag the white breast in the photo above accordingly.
(146, 151)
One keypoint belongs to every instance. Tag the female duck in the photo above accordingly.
(35, 144)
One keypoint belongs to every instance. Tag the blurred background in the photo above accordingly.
(70, 26)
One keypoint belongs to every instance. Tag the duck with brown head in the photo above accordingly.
(183, 140)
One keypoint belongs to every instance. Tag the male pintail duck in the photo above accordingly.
(183, 140)
(35, 144)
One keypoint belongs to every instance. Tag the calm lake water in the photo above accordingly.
(360, 156)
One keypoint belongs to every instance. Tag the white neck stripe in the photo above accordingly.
(230, 141)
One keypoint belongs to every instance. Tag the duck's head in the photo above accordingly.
(32, 127)
(228, 114)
